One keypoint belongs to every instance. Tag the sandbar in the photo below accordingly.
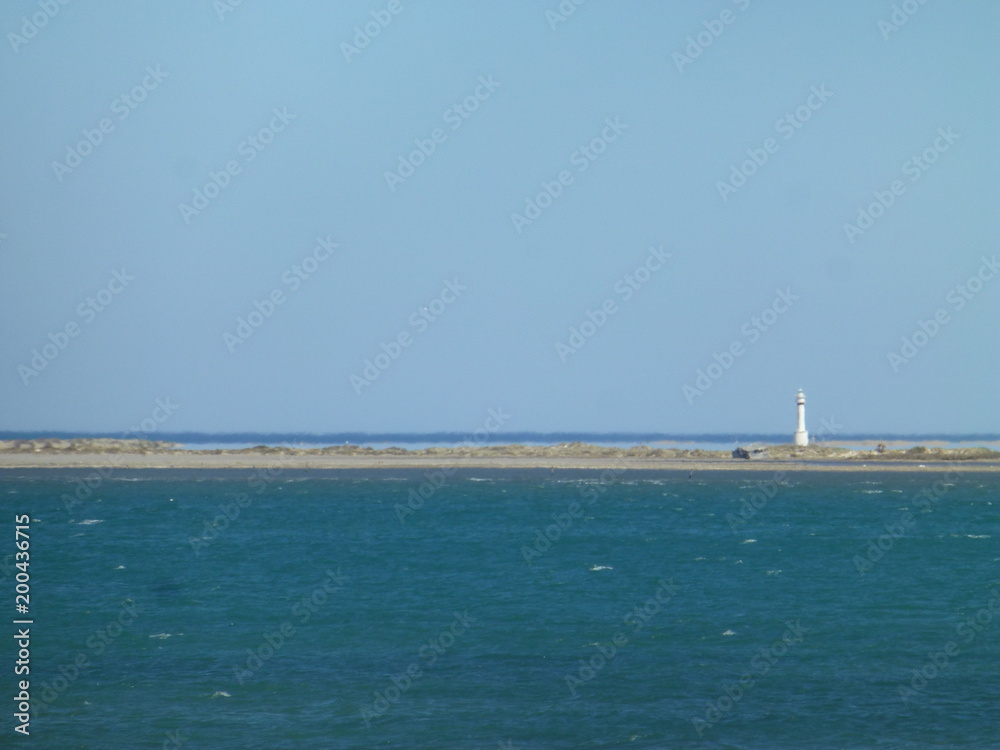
(141, 454)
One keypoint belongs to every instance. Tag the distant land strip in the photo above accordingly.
(143, 454)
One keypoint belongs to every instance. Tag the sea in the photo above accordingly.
(500, 609)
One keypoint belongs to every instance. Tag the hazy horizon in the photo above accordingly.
(490, 437)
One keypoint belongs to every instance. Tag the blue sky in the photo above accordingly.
(635, 216)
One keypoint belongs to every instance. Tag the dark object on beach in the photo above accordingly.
(880, 448)
(750, 451)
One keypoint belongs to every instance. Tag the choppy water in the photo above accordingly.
(521, 610)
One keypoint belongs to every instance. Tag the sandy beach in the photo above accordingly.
(138, 455)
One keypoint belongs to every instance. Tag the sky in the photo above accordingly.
(419, 216)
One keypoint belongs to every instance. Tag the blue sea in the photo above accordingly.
(506, 609)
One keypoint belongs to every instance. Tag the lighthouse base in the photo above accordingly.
(801, 438)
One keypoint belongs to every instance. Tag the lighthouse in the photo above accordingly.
(801, 435)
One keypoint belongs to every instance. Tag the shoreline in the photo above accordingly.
(235, 461)
(110, 454)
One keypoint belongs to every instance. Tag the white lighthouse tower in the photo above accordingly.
(801, 434)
